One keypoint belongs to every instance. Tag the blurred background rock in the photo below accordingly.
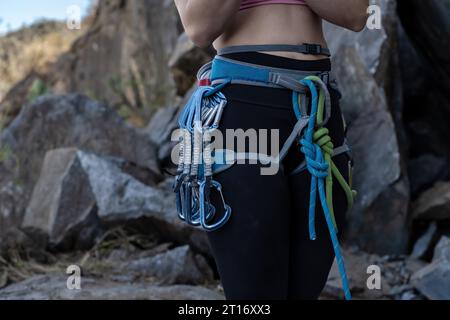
(86, 118)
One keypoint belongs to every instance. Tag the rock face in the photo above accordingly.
(365, 66)
(426, 23)
(53, 122)
(53, 287)
(123, 58)
(429, 21)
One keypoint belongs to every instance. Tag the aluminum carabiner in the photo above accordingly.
(205, 189)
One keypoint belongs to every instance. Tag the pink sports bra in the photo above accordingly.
(253, 3)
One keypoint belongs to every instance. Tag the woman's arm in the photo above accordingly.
(350, 14)
(205, 20)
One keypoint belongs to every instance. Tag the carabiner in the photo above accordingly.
(189, 205)
(205, 187)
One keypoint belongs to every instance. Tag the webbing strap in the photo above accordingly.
(305, 48)
(315, 144)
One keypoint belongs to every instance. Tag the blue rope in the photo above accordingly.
(318, 168)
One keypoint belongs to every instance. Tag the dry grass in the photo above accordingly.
(17, 266)
(34, 48)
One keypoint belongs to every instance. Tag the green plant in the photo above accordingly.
(38, 88)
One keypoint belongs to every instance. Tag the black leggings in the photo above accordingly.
(264, 250)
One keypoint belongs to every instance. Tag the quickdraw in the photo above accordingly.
(202, 114)
(194, 181)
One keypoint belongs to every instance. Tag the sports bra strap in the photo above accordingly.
(305, 48)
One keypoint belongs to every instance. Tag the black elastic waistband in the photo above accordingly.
(271, 60)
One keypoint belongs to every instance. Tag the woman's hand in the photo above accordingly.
(205, 20)
(350, 14)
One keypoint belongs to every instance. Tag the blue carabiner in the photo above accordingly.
(205, 187)
(196, 208)
(188, 205)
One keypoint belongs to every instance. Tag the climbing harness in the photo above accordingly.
(198, 162)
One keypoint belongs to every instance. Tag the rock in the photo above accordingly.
(423, 244)
(16, 241)
(161, 127)
(356, 264)
(442, 250)
(392, 207)
(433, 281)
(433, 204)
(53, 122)
(177, 266)
(426, 23)
(53, 287)
(62, 205)
(79, 194)
(11, 195)
(160, 130)
(424, 171)
(185, 62)
(16, 97)
(395, 275)
(404, 291)
(366, 65)
(122, 58)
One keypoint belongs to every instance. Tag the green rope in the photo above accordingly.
(323, 140)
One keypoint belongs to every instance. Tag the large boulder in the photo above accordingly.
(53, 122)
(62, 205)
(123, 58)
(366, 68)
(79, 195)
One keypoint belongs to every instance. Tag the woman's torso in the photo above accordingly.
(275, 24)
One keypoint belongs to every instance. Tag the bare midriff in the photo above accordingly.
(275, 24)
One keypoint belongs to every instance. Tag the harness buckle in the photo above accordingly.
(325, 76)
(313, 48)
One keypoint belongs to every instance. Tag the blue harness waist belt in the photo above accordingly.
(202, 114)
